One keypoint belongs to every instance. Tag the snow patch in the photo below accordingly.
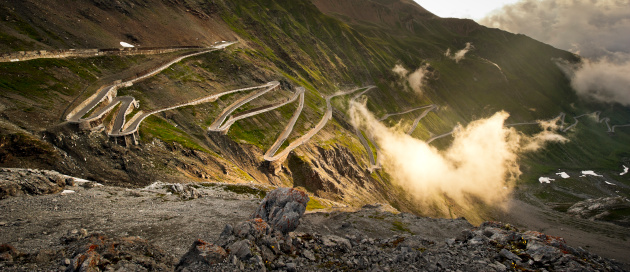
(67, 192)
(80, 181)
(610, 183)
(155, 185)
(545, 180)
(625, 170)
(124, 44)
(563, 175)
(589, 173)
(84, 181)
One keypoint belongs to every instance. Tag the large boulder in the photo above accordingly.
(282, 209)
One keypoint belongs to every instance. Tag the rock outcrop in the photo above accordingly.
(492, 246)
(268, 240)
(599, 208)
(257, 241)
(258, 245)
(202, 254)
(94, 252)
(15, 182)
(282, 209)
(100, 253)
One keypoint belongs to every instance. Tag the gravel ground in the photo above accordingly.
(33, 223)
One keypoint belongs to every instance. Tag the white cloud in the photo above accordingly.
(481, 162)
(459, 55)
(590, 28)
(598, 30)
(416, 79)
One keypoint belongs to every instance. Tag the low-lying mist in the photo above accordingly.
(416, 79)
(604, 80)
(460, 54)
(480, 165)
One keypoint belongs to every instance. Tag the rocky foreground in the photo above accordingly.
(276, 236)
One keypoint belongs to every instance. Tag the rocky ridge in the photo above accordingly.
(16, 182)
(493, 246)
(601, 208)
(271, 239)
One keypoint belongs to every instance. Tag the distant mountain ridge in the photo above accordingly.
(385, 12)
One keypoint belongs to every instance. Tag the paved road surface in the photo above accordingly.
(233, 118)
(316, 129)
(216, 125)
(366, 145)
(135, 124)
(403, 112)
(126, 102)
(269, 155)
(415, 122)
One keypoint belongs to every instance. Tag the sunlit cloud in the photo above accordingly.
(597, 30)
(481, 163)
(416, 79)
(459, 55)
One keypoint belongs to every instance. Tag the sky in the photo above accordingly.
(463, 8)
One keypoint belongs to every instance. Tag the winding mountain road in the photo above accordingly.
(559, 117)
(127, 102)
(617, 126)
(498, 67)
(269, 155)
(442, 135)
(373, 160)
(431, 107)
(402, 112)
(233, 118)
(216, 125)
(304, 138)
(222, 123)
(226, 119)
(374, 163)
(133, 126)
(577, 121)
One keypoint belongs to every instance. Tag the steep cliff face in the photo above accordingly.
(330, 173)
